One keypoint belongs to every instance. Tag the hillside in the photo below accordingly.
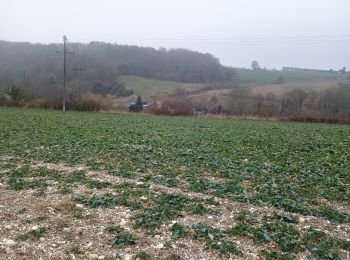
(41, 67)
(147, 87)
(262, 77)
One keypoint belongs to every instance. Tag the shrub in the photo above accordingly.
(4, 100)
(88, 102)
(175, 104)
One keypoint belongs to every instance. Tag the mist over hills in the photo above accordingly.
(40, 66)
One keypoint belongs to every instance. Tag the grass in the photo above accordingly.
(261, 77)
(295, 167)
(148, 87)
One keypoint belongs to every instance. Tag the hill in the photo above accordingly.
(40, 66)
(262, 76)
(147, 87)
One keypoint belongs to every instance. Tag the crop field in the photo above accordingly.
(145, 87)
(108, 186)
(261, 77)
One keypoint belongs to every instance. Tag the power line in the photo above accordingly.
(277, 40)
(250, 38)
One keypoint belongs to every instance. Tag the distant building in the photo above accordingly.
(306, 70)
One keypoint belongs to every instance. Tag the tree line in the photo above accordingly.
(40, 66)
(333, 102)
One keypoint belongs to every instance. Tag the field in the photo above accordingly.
(261, 77)
(108, 186)
(147, 87)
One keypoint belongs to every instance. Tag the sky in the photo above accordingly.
(276, 33)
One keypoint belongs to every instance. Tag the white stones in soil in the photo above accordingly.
(8, 227)
(89, 245)
(93, 257)
(35, 228)
(128, 257)
(9, 242)
(159, 246)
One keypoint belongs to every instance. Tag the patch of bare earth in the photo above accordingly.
(69, 237)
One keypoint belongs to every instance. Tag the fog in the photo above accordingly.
(310, 34)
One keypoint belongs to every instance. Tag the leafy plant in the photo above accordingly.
(165, 207)
(144, 256)
(178, 230)
(35, 234)
(75, 249)
(122, 238)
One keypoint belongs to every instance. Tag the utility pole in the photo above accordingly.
(79, 80)
(64, 71)
(65, 52)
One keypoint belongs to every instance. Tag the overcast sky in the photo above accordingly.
(303, 33)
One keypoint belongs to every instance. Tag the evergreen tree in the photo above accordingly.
(138, 107)
(139, 104)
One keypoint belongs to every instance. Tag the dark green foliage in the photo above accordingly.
(122, 238)
(77, 213)
(137, 107)
(228, 189)
(201, 185)
(66, 189)
(224, 247)
(245, 225)
(98, 184)
(286, 218)
(178, 230)
(165, 207)
(76, 177)
(333, 215)
(272, 255)
(139, 104)
(75, 249)
(40, 193)
(174, 257)
(286, 236)
(290, 241)
(321, 246)
(170, 182)
(21, 184)
(22, 211)
(197, 208)
(61, 226)
(144, 256)
(204, 231)
(214, 239)
(33, 234)
(113, 88)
